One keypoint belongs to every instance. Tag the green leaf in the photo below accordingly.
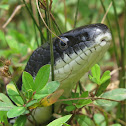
(21, 120)
(14, 95)
(5, 103)
(65, 124)
(48, 89)
(16, 111)
(99, 118)
(105, 76)
(39, 96)
(42, 77)
(84, 94)
(31, 103)
(102, 88)
(84, 120)
(95, 70)
(4, 6)
(82, 103)
(2, 36)
(74, 95)
(60, 121)
(70, 108)
(12, 43)
(5, 99)
(66, 102)
(3, 117)
(93, 79)
(28, 81)
(116, 94)
(5, 106)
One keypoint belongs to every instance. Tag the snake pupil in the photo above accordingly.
(63, 44)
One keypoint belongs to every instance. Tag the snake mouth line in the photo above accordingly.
(79, 60)
(67, 58)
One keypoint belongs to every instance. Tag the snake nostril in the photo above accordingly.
(103, 40)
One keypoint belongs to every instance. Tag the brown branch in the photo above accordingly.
(12, 15)
(92, 98)
(45, 22)
(106, 12)
(116, 70)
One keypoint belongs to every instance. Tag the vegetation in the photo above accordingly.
(97, 100)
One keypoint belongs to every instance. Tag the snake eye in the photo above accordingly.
(63, 43)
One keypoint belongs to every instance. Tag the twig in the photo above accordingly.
(34, 26)
(113, 39)
(45, 8)
(34, 20)
(92, 98)
(75, 21)
(65, 12)
(76, 87)
(45, 22)
(12, 15)
(34, 120)
(106, 13)
(115, 70)
(50, 41)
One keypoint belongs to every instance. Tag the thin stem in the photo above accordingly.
(122, 61)
(57, 26)
(65, 12)
(106, 13)
(12, 15)
(75, 21)
(40, 25)
(52, 17)
(92, 98)
(113, 39)
(125, 33)
(50, 40)
(117, 24)
(45, 22)
(125, 53)
(33, 19)
(34, 121)
(34, 24)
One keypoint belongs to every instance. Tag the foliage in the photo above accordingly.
(21, 36)
(108, 99)
(33, 94)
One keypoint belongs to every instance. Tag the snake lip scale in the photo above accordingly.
(76, 52)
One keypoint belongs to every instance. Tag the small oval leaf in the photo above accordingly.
(16, 111)
(60, 121)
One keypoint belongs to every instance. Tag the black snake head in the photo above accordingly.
(74, 53)
(78, 50)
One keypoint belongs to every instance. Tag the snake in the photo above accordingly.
(74, 54)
